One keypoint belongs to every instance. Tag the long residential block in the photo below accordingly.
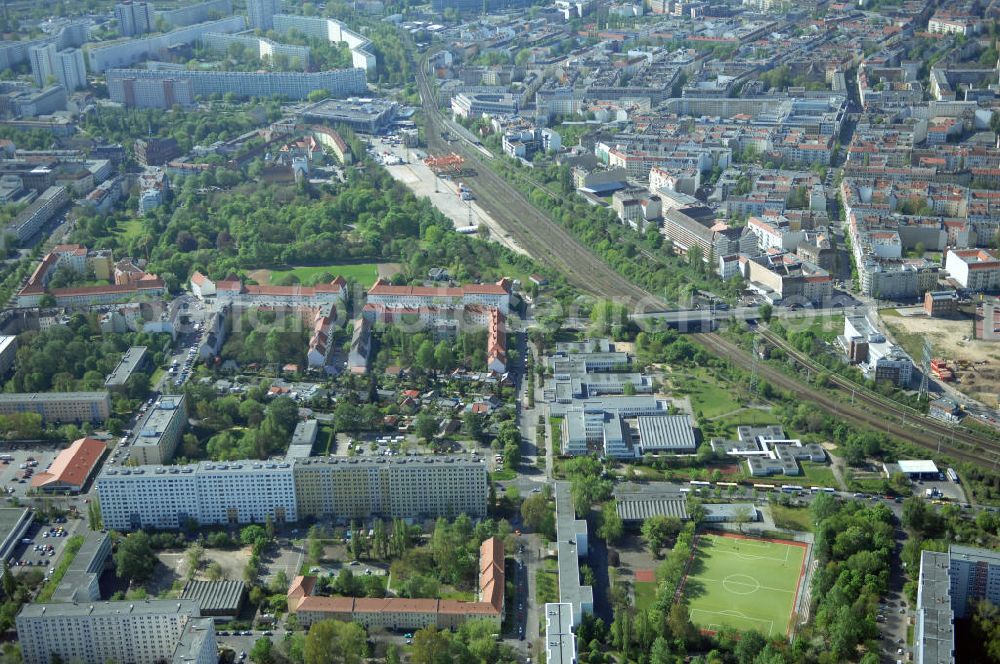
(145, 88)
(362, 54)
(59, 406)
(212, 493)
(124, 53)
(141, 632)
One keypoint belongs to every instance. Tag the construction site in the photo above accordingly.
(971, 365)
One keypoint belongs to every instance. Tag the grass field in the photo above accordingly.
(645, 593)
(364, 273)
(792, 518)
(708, 396)
(129, 230)
(744, 583)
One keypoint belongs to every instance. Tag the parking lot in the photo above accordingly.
(43, 545)
(23, 464)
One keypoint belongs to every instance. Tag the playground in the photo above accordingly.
(745, 583)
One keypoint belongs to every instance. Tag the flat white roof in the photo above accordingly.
(917, 466)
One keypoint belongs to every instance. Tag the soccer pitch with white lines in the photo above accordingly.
(744, 583)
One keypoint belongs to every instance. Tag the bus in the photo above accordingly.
(827, 489)
(790, 488)
(726, 484)
(685, 490)
(764, 487)
(952, 475)
(699, 483)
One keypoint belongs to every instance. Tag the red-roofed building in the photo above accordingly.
(400, 613)
(72, 468)
(415, 297)
(496, 343)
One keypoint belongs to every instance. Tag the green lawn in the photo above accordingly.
(813, 474)
(645, 593)
(556, 424)
(364, 273)
(708, 397)
(746, 416)
(129, 230)
(792, 518)
(503, 475)
(744, 583)
(819, 474)
(824, 327)
(547, 583)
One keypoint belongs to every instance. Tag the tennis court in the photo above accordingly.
(744, 583)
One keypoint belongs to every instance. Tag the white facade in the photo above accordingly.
(362, 55)
(262, 48)
(260, 13)
(123, 54)
(208, 493)
(291, 85)
(251, 491)
(142, 632)
(66, 67)
(134, 18)
(975, 269)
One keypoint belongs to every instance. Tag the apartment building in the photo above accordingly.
(159, 432)
(697, 227)
(238, 294)
(260, 13)
(496, 343)
(146, 88)
(161, 92)
(59, 406)
(103, 57)
(197, 13)
(398, 613)
(263, 48)
(782, 276)
(413, 297)
(974, 575)
(362, 54)
(165, 497)
(134, 18)
(975, 269)
(141, 632)
(358, 488)
(65, 67)
(31, 220)
(211, 493)
(948, 585)
(134, 359)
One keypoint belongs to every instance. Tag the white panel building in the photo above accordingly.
(141, 632)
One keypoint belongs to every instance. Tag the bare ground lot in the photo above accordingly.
(951, 340)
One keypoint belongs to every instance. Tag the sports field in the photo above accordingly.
(744, 583)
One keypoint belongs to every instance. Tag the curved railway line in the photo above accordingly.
(544, 239)
(896, 420)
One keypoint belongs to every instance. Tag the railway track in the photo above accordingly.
(897, 422)
(551, 244)
(544, 239)
(888, 405)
